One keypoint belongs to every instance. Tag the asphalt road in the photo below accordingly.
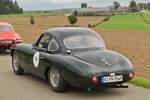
(29, 87)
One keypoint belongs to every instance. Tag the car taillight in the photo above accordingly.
(94, 80)
(18, 41)
(131, 76)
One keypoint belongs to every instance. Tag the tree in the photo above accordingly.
(143, 6)
(75, 13)
(133, 6)
(32, 21)
(148, 6)
(116, 5)
(72, 19)
(8, 6)
(7, 9)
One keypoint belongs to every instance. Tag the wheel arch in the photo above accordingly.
(46, 72)
(49, 67)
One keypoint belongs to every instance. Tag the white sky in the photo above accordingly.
(58, 4)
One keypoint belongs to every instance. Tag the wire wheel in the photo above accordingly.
(54, 77)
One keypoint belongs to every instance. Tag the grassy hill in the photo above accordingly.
(128, 22)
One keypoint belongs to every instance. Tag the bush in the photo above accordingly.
(32, 21)
(107, 18)
(89, 25)
(72, 19)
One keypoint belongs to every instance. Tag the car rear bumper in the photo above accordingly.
(112, 84)
(82, 82)
(7, 45)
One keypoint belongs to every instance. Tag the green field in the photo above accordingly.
(33, 14)
(127, 22)
(146, 16)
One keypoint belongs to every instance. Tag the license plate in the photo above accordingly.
(110, 79)
(5, 42)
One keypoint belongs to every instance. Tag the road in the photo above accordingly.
(28, 87)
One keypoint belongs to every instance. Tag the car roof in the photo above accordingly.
(70, 31)
(5, 24)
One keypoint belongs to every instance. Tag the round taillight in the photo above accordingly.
(94, 80)
(131, 76)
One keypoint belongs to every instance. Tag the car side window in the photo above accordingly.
(53, 45)
(43, 42)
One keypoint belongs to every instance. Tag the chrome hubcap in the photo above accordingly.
(15, 63)
(54, 77)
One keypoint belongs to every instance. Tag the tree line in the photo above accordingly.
(144, 6)
(133, 6)
(10, 7)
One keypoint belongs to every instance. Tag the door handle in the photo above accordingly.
(41, 57)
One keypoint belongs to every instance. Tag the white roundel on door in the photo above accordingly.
(36, 59)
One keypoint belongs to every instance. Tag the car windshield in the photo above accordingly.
(5, 29)
(83, 42)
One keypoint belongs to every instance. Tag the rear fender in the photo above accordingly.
(70, 63)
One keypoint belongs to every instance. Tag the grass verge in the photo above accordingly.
(141, 82)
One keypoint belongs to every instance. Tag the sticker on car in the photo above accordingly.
(36, 59)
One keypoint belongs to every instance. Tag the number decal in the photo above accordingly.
(36, 59)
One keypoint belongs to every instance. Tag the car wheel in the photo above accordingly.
(56, 82)
(16, 66)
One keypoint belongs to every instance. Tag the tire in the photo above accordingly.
(56, 82)
(16, 66)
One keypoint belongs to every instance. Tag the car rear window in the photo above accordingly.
(5, 29)
(83, 41)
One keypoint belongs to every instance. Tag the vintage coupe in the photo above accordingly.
(72, 57)
(8, 36)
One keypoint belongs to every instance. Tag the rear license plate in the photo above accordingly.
(111, 79)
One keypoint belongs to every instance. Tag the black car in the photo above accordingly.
(72, 56)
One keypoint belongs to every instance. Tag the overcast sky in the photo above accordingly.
(58, 4)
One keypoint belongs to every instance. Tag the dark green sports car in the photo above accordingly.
(72, 56)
